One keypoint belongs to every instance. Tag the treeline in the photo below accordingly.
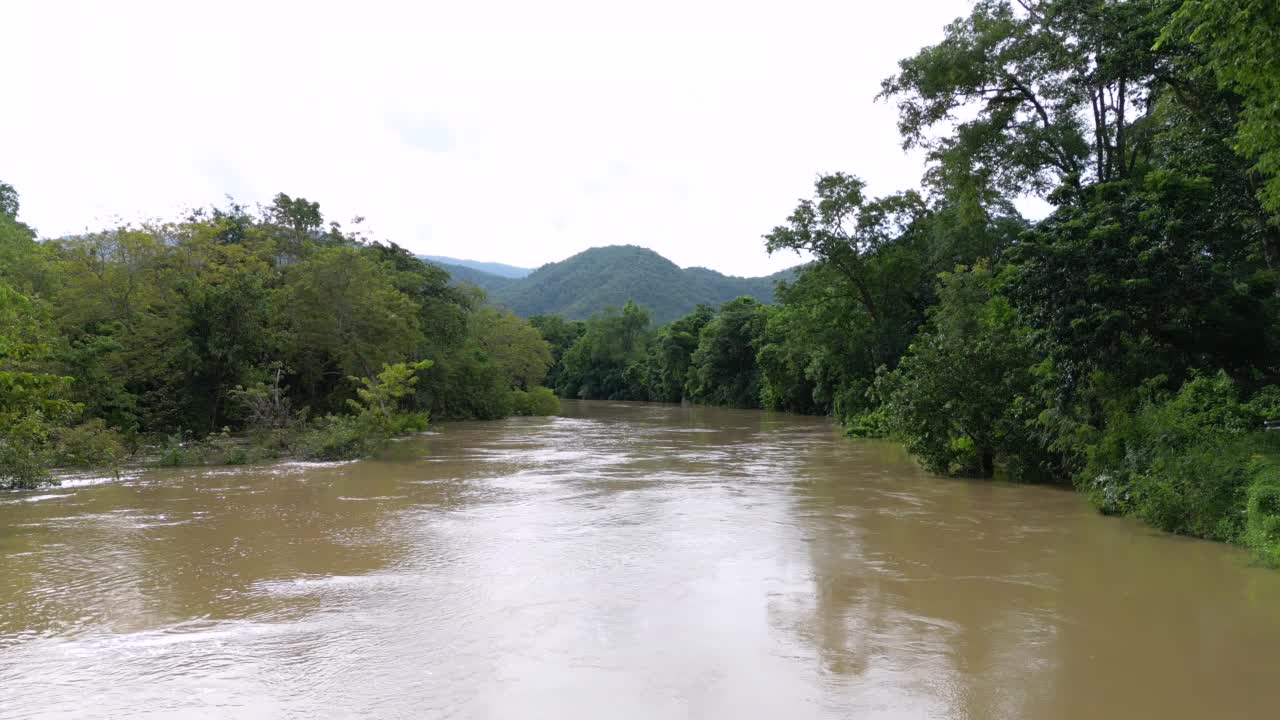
(1128, 343)
(182, 334)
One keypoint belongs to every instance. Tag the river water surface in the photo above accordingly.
(624, 561)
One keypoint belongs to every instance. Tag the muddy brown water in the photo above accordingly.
(624, 561)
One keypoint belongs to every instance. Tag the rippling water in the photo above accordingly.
(626, 561)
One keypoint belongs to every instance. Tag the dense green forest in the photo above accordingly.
(602, 277)
(181, 334)
(1128, 342)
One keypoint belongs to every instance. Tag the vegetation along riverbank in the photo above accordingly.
(1128, 342)
(233, 335)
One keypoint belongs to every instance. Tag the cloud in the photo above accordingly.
(517, 132)
(425, 131)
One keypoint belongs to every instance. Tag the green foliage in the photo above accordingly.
(723, 370)
(670, 359)
(34, 403)
(1241, 44)
(958, 396)
(1182, 461)
(596, 365)
(227, 340)
(475, 379)
(378, 403)
(1036, 124)
(338, 437)
(90, 444)
(874, 423)
(367, 322)
(1262, 511)
(535, 401)
(1146, 281)
(560, 335)
(227, 319)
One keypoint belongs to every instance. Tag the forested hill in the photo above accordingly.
(602, 277)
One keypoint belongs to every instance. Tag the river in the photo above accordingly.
(623, 561)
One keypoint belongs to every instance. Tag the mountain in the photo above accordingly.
(594, 279)
(492, 268)
(489, 282)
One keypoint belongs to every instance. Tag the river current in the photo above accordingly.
(622, 561)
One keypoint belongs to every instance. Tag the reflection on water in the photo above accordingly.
(632, 561)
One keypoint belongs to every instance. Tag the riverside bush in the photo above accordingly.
(89, 444)
(1194, 462)
(1262, 513)
(537, 401)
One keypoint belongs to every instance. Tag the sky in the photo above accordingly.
(518, 132)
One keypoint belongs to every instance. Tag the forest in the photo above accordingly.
(1127, 343)
(177, 339)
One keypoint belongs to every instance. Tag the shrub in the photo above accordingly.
(538, 401)
(90, 444)
(24, 456)
(874, 423)
(1262, 512)
(338, 437)
(174, 452)
(1187, 462)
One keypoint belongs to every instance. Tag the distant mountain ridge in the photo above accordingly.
(602, 277)
(493, 268)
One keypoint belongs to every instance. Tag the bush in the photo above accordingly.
(538, 401)
(90, 444)
(1262, 512)
(174, 452)
(874, 423)
(1189, 462)
(24, 456)
(338, 437)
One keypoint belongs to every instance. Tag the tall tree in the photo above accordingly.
(1241, 44)
(1042, 94)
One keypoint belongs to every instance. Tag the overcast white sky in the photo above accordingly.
(519, 132)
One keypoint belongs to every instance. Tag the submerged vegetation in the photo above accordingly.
(233, 336)
(1128, 342)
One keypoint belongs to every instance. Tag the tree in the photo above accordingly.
(671, 354)
(378, 398)
(1056, 90)
(595, 367)
(855, 240)
(723, 369)
(341, 315)
(33, 401)
(1241, 44)
(9, 203)
(959, 397)
(227, 339)
(1147, 280)
(513, 346)
(560, 335)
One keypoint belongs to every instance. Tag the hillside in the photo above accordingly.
(592, 280)
(492, 268)
(489, 282)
